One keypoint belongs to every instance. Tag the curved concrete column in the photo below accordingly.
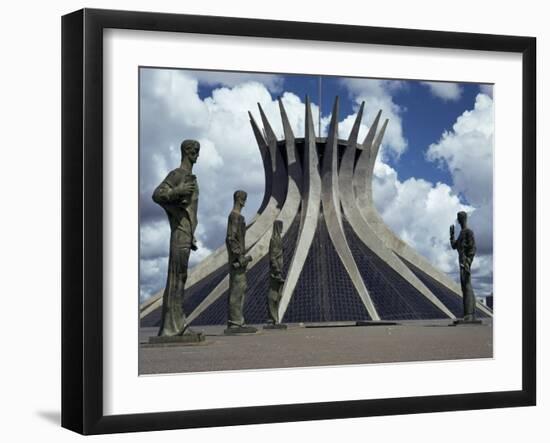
(293, 197)
(279, 178)
(330, 197)
(365, 233)
(362, 182)
(309, 216)
(268, 167)
(362, 163)
(277, 183)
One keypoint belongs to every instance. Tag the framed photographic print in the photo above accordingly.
(270, 221)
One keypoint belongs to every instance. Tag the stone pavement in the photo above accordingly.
(330, 345)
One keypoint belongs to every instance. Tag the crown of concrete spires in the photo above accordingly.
(341, 261)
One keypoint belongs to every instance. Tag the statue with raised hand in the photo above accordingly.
(276, 279)
(178, 194)
(465, 245)
(238, 263)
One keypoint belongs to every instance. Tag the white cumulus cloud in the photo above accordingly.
(419, 212)
(467, 152)
(272, 82)
(444, 90)
(377, 95)
(486, 89)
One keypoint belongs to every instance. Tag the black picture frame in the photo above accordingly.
(82, 218)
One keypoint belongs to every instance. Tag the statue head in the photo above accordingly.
(190, 149)
(462, 218)
(239, 198)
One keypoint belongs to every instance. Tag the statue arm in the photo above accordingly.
(276, 261)
(469, 245)
(453, 242)
(452, 237)
(233, 235)
(468, 250)
(168, 191)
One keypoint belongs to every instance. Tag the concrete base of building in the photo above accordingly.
(375, 323)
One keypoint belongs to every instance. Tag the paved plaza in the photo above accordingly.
(323, 345)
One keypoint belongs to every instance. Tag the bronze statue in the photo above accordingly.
(238, 262)
(178, 194)
(465, 245)
(276, 279)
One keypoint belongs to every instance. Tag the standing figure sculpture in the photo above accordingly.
(465, 245)
(238, 262)
(178, 194)
(276, 279)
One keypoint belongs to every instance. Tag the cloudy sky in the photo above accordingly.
(436, 158)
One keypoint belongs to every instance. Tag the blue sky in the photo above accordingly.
(436, 157)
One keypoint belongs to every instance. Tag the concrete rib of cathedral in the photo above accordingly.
(341, 261)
